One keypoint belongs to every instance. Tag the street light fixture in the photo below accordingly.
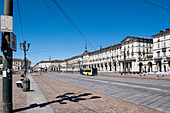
(23, 48)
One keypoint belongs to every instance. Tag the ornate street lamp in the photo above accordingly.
(23, 48)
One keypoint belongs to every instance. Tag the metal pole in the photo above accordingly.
(7, 63)
(25, 60)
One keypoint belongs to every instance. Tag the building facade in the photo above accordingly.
(161, 51)
(131, 55)
(47, 66)
(18, 65)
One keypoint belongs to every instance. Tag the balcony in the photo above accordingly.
(157, 58)
(131, 59)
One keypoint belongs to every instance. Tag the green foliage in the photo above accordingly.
(149, 56)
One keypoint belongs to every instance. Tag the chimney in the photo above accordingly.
(140, 36)
(167, 29)
(148, 37)
(144, 37)
(49, 58)
(161, 31)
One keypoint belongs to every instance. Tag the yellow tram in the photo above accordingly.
(88, 71)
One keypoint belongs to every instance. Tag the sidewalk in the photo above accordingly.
(19, 97)
(49, 95)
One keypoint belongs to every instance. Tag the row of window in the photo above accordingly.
(164, 52)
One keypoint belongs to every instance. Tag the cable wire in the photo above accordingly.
(73, 24)
(59, 25)
(74, 9)
(156, 5)
(20, 20)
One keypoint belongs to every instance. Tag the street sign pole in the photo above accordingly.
(7, 62)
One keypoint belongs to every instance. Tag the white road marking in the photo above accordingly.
(122, 84)
(128, 85)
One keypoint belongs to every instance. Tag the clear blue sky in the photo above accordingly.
(107, 22)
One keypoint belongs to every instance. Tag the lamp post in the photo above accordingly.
(23, 48)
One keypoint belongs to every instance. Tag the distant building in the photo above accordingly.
(17, 65)
(47, 66)
(132, 55)
(128, 56)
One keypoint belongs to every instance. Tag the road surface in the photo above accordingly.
(154, 94)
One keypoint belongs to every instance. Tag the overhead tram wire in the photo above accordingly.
(156, 5)
(73, 24)
(59, 26)
(78, 30)
(20, 20)
(57, 23)
(74, 9)
(64, 50)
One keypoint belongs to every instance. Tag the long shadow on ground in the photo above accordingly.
(61, 99)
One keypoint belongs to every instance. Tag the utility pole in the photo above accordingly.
(7, 62)
(24, 49)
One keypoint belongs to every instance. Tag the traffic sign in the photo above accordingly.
(6, 23)
(13, 41)
(72, 67)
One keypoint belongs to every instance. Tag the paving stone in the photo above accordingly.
(104, 104)
(19, 97)
(144, 96)
(163, 107)
(167, 110)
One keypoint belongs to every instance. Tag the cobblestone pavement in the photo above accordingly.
(154, 94)
(19, 97)
(67, 98)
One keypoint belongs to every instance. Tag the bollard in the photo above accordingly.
(26, 84)
(121, 73)
(22, 75)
